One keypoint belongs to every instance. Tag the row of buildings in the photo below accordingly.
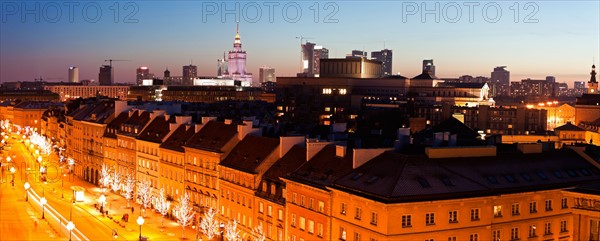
(321, 189)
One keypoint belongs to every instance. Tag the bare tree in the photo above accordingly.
(162, 206)
(258, 233)
(183, 212)
(209, 224)
(115, 181)
(144, 194)
(128, 186)
(105, 178)
(231, 232)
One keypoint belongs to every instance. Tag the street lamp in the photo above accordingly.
(12, 171)
(70, 227)
(140, 221)
(43, 202)
(62, 185)
(102, 199)
(26, 186)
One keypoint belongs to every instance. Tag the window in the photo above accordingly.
(280, 215)
(293, 220)
(475, 214)
(452, 238)
(533, 207)
(514, 233)
(515, 209)
(311, 226)
(406, 221)
(270, 210)
(549, 205)
(547, 228)
(358, 214)
(498, 211)
(302, 202)
(532, 229)
(453, 216)
(563, 226)
(320, 229)
(342, 233)
(474, 237)
(563, 203)
(260, 207)
(302, 223)
(374, 218)
(430, 219)
(356, 236)
(321, 206)
(343, 209)
(311, 203)
(294, 198)
(496, 235)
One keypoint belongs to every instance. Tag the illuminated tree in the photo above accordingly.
(115, 181)
(105, 178)
(209, 224)
(144, 194)
(258, 233)
(162, 206)
(231, 232)
(183, 212)
(128, 186)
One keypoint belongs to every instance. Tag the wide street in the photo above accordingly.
(17, 212)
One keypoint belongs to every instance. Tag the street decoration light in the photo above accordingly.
(140, 221)
(70, 227)
(43, 202)
(12, 171)
(102, 200)
(26, 186)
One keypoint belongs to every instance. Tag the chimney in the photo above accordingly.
(120, 106)
(208, 119)
(228, 121)
(403, 138)
(156, 113)
(460, 117)
(287, 142)
(245, 129)
(314, 146)
(362, 156)
(179, 120)
(340, 151)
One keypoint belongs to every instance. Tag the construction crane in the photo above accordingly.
(111, 60)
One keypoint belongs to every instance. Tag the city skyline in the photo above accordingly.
(551, 38)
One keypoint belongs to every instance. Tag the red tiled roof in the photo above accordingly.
(179, 137)
(249, 153)
(157, 129)
(213, 136)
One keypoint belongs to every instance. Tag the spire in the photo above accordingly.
(593, 74)
(237, 42)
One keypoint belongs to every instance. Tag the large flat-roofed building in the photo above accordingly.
(210, 94)
(70, 92)
(350, 68)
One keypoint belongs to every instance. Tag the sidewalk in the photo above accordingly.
(116, 205)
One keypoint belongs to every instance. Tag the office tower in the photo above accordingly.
(73, 74)
(190, 72)
(142, 73)
(266, 74)
(221, 66)
(311, 59)
(106, 75)
(359, 53)
(428, 66)
(500, 81)
(550, 79)
(385, 56)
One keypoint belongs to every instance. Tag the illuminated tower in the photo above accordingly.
(236, 62)
(593, 84)
(73, 74)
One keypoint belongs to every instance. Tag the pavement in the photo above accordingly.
(17, 216)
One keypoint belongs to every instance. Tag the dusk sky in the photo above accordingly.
(559, 38)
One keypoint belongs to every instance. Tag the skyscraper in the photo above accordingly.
(236, 61)
(311, 59)
(73, 74)
(221, 66)
(142, 73)
(266, 74)
(106, 75)
(189, 73)
(359, 53)
(500, 81)
(428, 66)
(385, 56)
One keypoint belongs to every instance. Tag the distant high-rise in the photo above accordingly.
(359, 53)
(311, 59)
(385, 56)
(142, 73)
(221, 66)
(550, 79)
(73, 74)
(106, 75)
(266, 74)
(500, 81)
(428, 66)
(167, 74)
(236, 62)
(189, 73)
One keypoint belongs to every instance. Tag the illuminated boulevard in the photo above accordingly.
(89, 223)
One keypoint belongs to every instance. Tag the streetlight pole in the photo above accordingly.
(26, 186)
(140, 221)
(43, 200)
